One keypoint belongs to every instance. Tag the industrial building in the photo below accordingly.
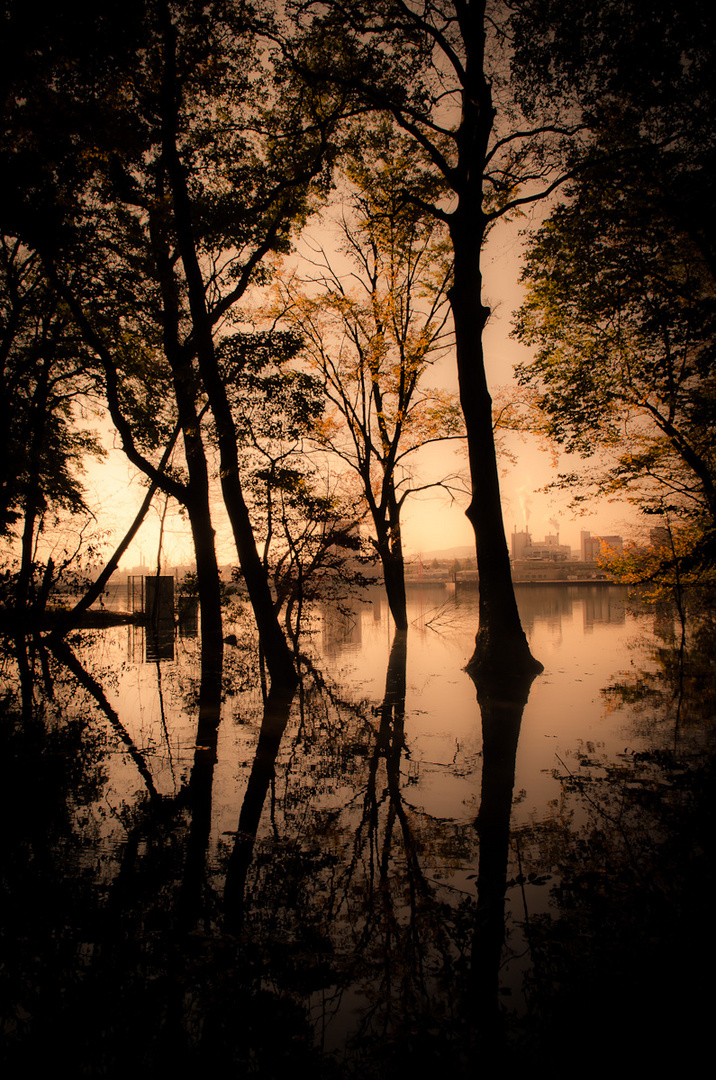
(548, 560)
(524, 548)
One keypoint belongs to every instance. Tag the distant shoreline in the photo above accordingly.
(419, 583)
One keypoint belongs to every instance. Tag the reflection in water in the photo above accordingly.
(65, 655)
(159, 611)
(633, 853)
(188, 616)
(501, 706)
(160, 640)
(201, 782)
(340, 626)
(371, 879)
(557, 605)
(273, 725)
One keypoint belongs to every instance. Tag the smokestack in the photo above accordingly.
(525, 504)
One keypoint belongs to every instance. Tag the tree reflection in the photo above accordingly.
(397, 938)
(273, 725)
(502, 704)
(625, 943)
(374, 921)
(201, 780)
(53, 768)
(345, 918)
(66, 656)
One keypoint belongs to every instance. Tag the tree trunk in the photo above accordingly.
(22, 599)
(500, 644)
(209, 588)
(273, 642)
(394, 578)
(389, 542)
(33, 497)
(195, 496)
(202, 530)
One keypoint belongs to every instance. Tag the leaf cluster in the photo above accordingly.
(621, 297)
(45, 377)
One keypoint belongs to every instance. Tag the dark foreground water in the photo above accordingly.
(377, 878)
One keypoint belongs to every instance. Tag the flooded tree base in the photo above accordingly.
(503, 658)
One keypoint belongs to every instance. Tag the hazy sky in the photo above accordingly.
(430, 523)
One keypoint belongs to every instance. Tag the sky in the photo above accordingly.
(431, 523)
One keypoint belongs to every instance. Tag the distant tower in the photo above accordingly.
(585, 547)
(521, 542)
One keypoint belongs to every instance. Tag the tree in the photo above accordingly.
(620, 307)
(44, 380)
(440, 69)
(308, 529)
(621, 277)
(373, 317)
(284, 202)
(108, 260)
(192, 176)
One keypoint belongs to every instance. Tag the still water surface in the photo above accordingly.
(374, 878)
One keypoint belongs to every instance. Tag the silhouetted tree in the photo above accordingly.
(193, 173)
(373, 317)
(621, 276)
(45, 377)
(441, 71)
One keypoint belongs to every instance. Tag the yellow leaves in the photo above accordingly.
(327, 427)
(659, 565)
(516, 409)
(436, 415)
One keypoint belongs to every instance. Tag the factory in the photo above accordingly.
(548, 560)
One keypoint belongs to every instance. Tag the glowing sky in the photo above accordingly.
(430, 522)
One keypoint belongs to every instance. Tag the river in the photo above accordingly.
(377, 878)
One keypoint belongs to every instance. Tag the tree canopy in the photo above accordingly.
(620, 278)
(373, 316)
(199, 165)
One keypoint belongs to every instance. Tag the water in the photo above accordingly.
(374, 878)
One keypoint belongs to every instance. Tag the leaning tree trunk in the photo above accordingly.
(273, 642)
